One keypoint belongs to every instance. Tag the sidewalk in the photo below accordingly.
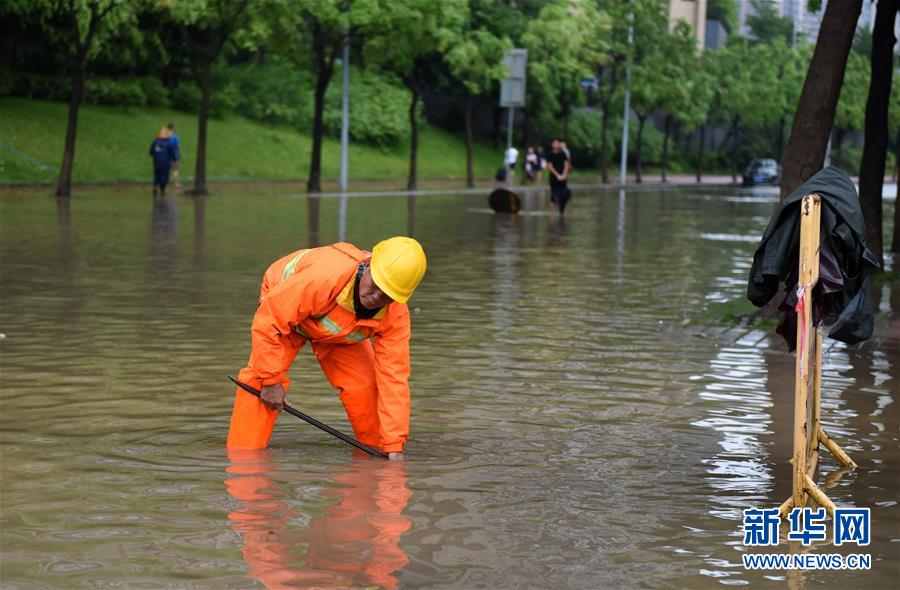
(366, 188)
(382, 187)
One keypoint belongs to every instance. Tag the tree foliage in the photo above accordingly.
(767, 26)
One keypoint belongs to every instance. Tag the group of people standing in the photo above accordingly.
(558, 163)
(166, 153)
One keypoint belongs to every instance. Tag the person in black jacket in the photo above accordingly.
(842, 304)
(559, 166)
(162, 150)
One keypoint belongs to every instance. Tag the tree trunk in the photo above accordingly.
(202, 120)
(79, 74)
(735, 142)
(818, 100)
(700, 154)
(871, 170)
(780, 144)
(324, 61)
(314, 182)
(413, 137)
(895, 244)
(897, 156)
(640, 137)
(604, 150)
(470, 140)
(665, 147)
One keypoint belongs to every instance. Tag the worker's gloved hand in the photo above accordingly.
(395, 456)
(273, 396)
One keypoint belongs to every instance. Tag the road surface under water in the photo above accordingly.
(568, 429)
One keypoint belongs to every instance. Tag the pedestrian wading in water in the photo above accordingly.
(559, 166)
(350, 306)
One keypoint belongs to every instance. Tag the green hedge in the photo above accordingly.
(274, 91)
(133, 91)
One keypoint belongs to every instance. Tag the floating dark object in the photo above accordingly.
(504, 201)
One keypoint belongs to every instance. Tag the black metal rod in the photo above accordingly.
(314, 422)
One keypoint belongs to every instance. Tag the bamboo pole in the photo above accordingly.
(816, 418)
(808, 431)
(812, 460)
(836, 450)
(810, 219)
(786, 507)
(818, 495)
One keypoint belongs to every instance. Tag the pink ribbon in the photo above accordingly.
(800, 308)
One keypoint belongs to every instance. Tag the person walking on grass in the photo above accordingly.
(163, 153)
(176, 163)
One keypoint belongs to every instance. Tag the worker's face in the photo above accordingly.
(370, 295)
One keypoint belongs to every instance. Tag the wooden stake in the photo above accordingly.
(836, 450)
(810, 219)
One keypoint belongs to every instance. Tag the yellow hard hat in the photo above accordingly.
(398, 265)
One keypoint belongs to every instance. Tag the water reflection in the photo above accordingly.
(313, 204)
(356, 542)
(342, 218)
(199, 231)
(411, 216)
(164, 232)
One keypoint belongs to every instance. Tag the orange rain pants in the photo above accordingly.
(355, 543)
(308, 295)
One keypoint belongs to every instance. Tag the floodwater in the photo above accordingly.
(568, 429)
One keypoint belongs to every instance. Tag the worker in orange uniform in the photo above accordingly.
(351, 306)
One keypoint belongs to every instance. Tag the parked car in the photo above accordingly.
(762, 172)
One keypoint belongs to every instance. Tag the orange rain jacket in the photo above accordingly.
(308, 295)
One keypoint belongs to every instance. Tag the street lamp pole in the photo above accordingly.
(345, 111)
(623, 163)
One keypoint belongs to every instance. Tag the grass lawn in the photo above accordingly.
(113, 144)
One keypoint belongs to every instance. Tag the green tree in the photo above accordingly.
(871, 170)
(81, 29)
(691, 109)
(791, 65)
(767, 26)
(658, 82)
(724, 11)
(555, 68)
(313, 34)
(422, 30)
(850, 114)
(612, 58)
(740, 97)
(476, 60)
(814, 116)
(206, 26)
